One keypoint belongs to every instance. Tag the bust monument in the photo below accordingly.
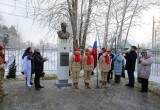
(63, 34)
(64, 47)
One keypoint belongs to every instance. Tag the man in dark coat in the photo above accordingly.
(130, 65)
(38, 68)
(110, 73)
(99, 55)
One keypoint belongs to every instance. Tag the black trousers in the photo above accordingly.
(131, 77)
(117, 78)
(109, 75)
(37, 79)
(144, 84)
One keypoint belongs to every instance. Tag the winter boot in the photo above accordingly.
(4, 93)
(76, 86)
(105, 84)
(85, 85)
(88, 86)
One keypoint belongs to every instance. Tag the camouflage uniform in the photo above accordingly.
(2, 93)
(104, 68)
(87, 70)
(75, 68)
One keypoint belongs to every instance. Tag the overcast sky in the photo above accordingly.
(29, 31)
(32, 32)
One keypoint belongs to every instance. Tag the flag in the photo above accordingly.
(10, 61)
(94, 52)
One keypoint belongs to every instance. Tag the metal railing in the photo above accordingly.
(155, 69)
(50, 65)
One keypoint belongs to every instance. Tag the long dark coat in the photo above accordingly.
(38, 63)
(130, 61)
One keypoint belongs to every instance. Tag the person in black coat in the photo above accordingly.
(38, 68)
(130, 65)
(110, 73)
(99, 55)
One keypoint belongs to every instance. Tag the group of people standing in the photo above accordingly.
(75, 67)
(110, 63)
(107, 61)
(33, 63)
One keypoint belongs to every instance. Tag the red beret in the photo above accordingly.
(76, 49)
(1, 47)
(87, 50)
(104, 50)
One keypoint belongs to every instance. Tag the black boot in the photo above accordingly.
(41, 86)
(37, 89)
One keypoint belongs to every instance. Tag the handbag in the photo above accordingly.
(139, 79)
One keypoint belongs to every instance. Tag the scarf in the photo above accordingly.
(107, 60)
(77, 57)
(89, 59)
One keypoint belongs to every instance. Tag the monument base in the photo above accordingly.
(63, 83)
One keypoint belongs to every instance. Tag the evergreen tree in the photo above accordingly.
(12, 71)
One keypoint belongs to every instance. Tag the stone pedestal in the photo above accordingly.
(63, 65)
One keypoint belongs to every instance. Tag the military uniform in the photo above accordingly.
(75, 68)
(87, 70)
(2, 93)
(104, 68)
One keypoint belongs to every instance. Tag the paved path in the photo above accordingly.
(115, 97)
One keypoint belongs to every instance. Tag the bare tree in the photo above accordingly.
(52, 13)
(107, 23)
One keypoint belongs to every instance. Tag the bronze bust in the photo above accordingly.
(63, 34)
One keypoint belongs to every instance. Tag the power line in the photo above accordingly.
(11, 6)
(14, 15)
(31, 8)
(44, 38)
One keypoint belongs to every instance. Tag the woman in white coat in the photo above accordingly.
(26, 68)
(26, 65)
(144, 70)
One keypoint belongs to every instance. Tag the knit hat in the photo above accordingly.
(1, 47)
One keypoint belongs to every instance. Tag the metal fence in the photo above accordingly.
(155, 70)
(50, 65)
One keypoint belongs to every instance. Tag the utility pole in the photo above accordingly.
(153, 33)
